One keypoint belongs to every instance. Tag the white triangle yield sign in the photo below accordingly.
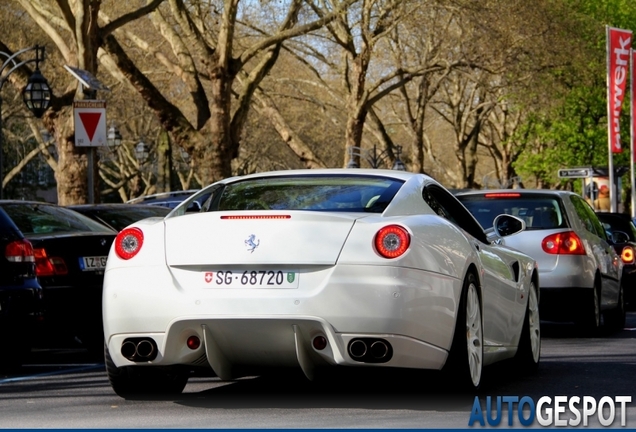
(90, 123)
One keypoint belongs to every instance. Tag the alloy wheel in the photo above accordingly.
(474, 335)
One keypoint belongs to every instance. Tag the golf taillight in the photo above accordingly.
(628, 255)
(392, 241)
(48, 266)
(19, 251)
(128, 243)
(563, 243)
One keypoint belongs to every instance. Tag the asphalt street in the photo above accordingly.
(65, 389)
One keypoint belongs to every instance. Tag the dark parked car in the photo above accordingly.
(620, 223)
(119, 216)
(20, 294)
(164, 199)
(70, 252)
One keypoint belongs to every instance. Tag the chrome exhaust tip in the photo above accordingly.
(128, 350)
(370, 350)
(379, 349)
(357, 349)
(145, 349)
(139, 349)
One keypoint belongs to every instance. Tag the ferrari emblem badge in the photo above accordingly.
(252, 243)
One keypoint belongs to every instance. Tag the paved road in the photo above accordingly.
(63, 389)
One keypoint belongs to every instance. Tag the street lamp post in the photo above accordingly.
(141, 152)
(374, 158)
(36, 94)
(113, 138)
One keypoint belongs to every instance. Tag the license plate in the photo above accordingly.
(93, 263)
(252, 279)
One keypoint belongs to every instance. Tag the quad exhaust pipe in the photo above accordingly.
(370, 350)
(139, 349)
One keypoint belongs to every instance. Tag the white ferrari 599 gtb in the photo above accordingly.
(314, 269)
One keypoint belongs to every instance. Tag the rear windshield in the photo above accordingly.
(539, 212)
(613, 223)
(312, 192)
(33, 218)
(120, 217)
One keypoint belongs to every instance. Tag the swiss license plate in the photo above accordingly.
(252, 279)
(93, 263)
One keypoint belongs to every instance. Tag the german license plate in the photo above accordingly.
(252, 279)
(93, 263)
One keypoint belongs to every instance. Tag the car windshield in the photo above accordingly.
(538, 211)
(34, 218)
(613, 223)
(346, 193)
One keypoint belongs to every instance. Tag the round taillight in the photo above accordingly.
(392, 241)
(128, 242)
(628, 255)
(193, 342)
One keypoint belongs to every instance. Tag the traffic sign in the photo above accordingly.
(575, 173)
(90, 123)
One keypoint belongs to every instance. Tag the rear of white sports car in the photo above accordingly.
(286, 288)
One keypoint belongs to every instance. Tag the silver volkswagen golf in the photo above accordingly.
(579, 270)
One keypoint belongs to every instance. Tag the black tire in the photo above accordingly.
(615, 318)
(465, 363)
(145, 380)
(590, 320)
(529, 349)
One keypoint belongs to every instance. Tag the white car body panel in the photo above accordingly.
(345, 289)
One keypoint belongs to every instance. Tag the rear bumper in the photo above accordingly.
(563, 304)
(412, 310)
(21, 301)
(570, 272)
(71, 313)
(20, 311)
(231, 345)
(629, 285)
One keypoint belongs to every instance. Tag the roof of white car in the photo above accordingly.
(403, 175)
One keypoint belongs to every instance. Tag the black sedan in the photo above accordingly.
(20, 294)
(119, 216)
(616, 223)
(70, 252)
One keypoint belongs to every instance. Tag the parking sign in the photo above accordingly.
(90, 123)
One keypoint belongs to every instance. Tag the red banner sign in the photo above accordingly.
(633, 100)
(619, 43)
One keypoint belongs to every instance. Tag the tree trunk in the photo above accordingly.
(72, 172)
(356, 103)
(218, 153)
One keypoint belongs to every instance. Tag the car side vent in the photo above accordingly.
(515, 269)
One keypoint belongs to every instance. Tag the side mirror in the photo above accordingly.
(619, 237)
(505, 225)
